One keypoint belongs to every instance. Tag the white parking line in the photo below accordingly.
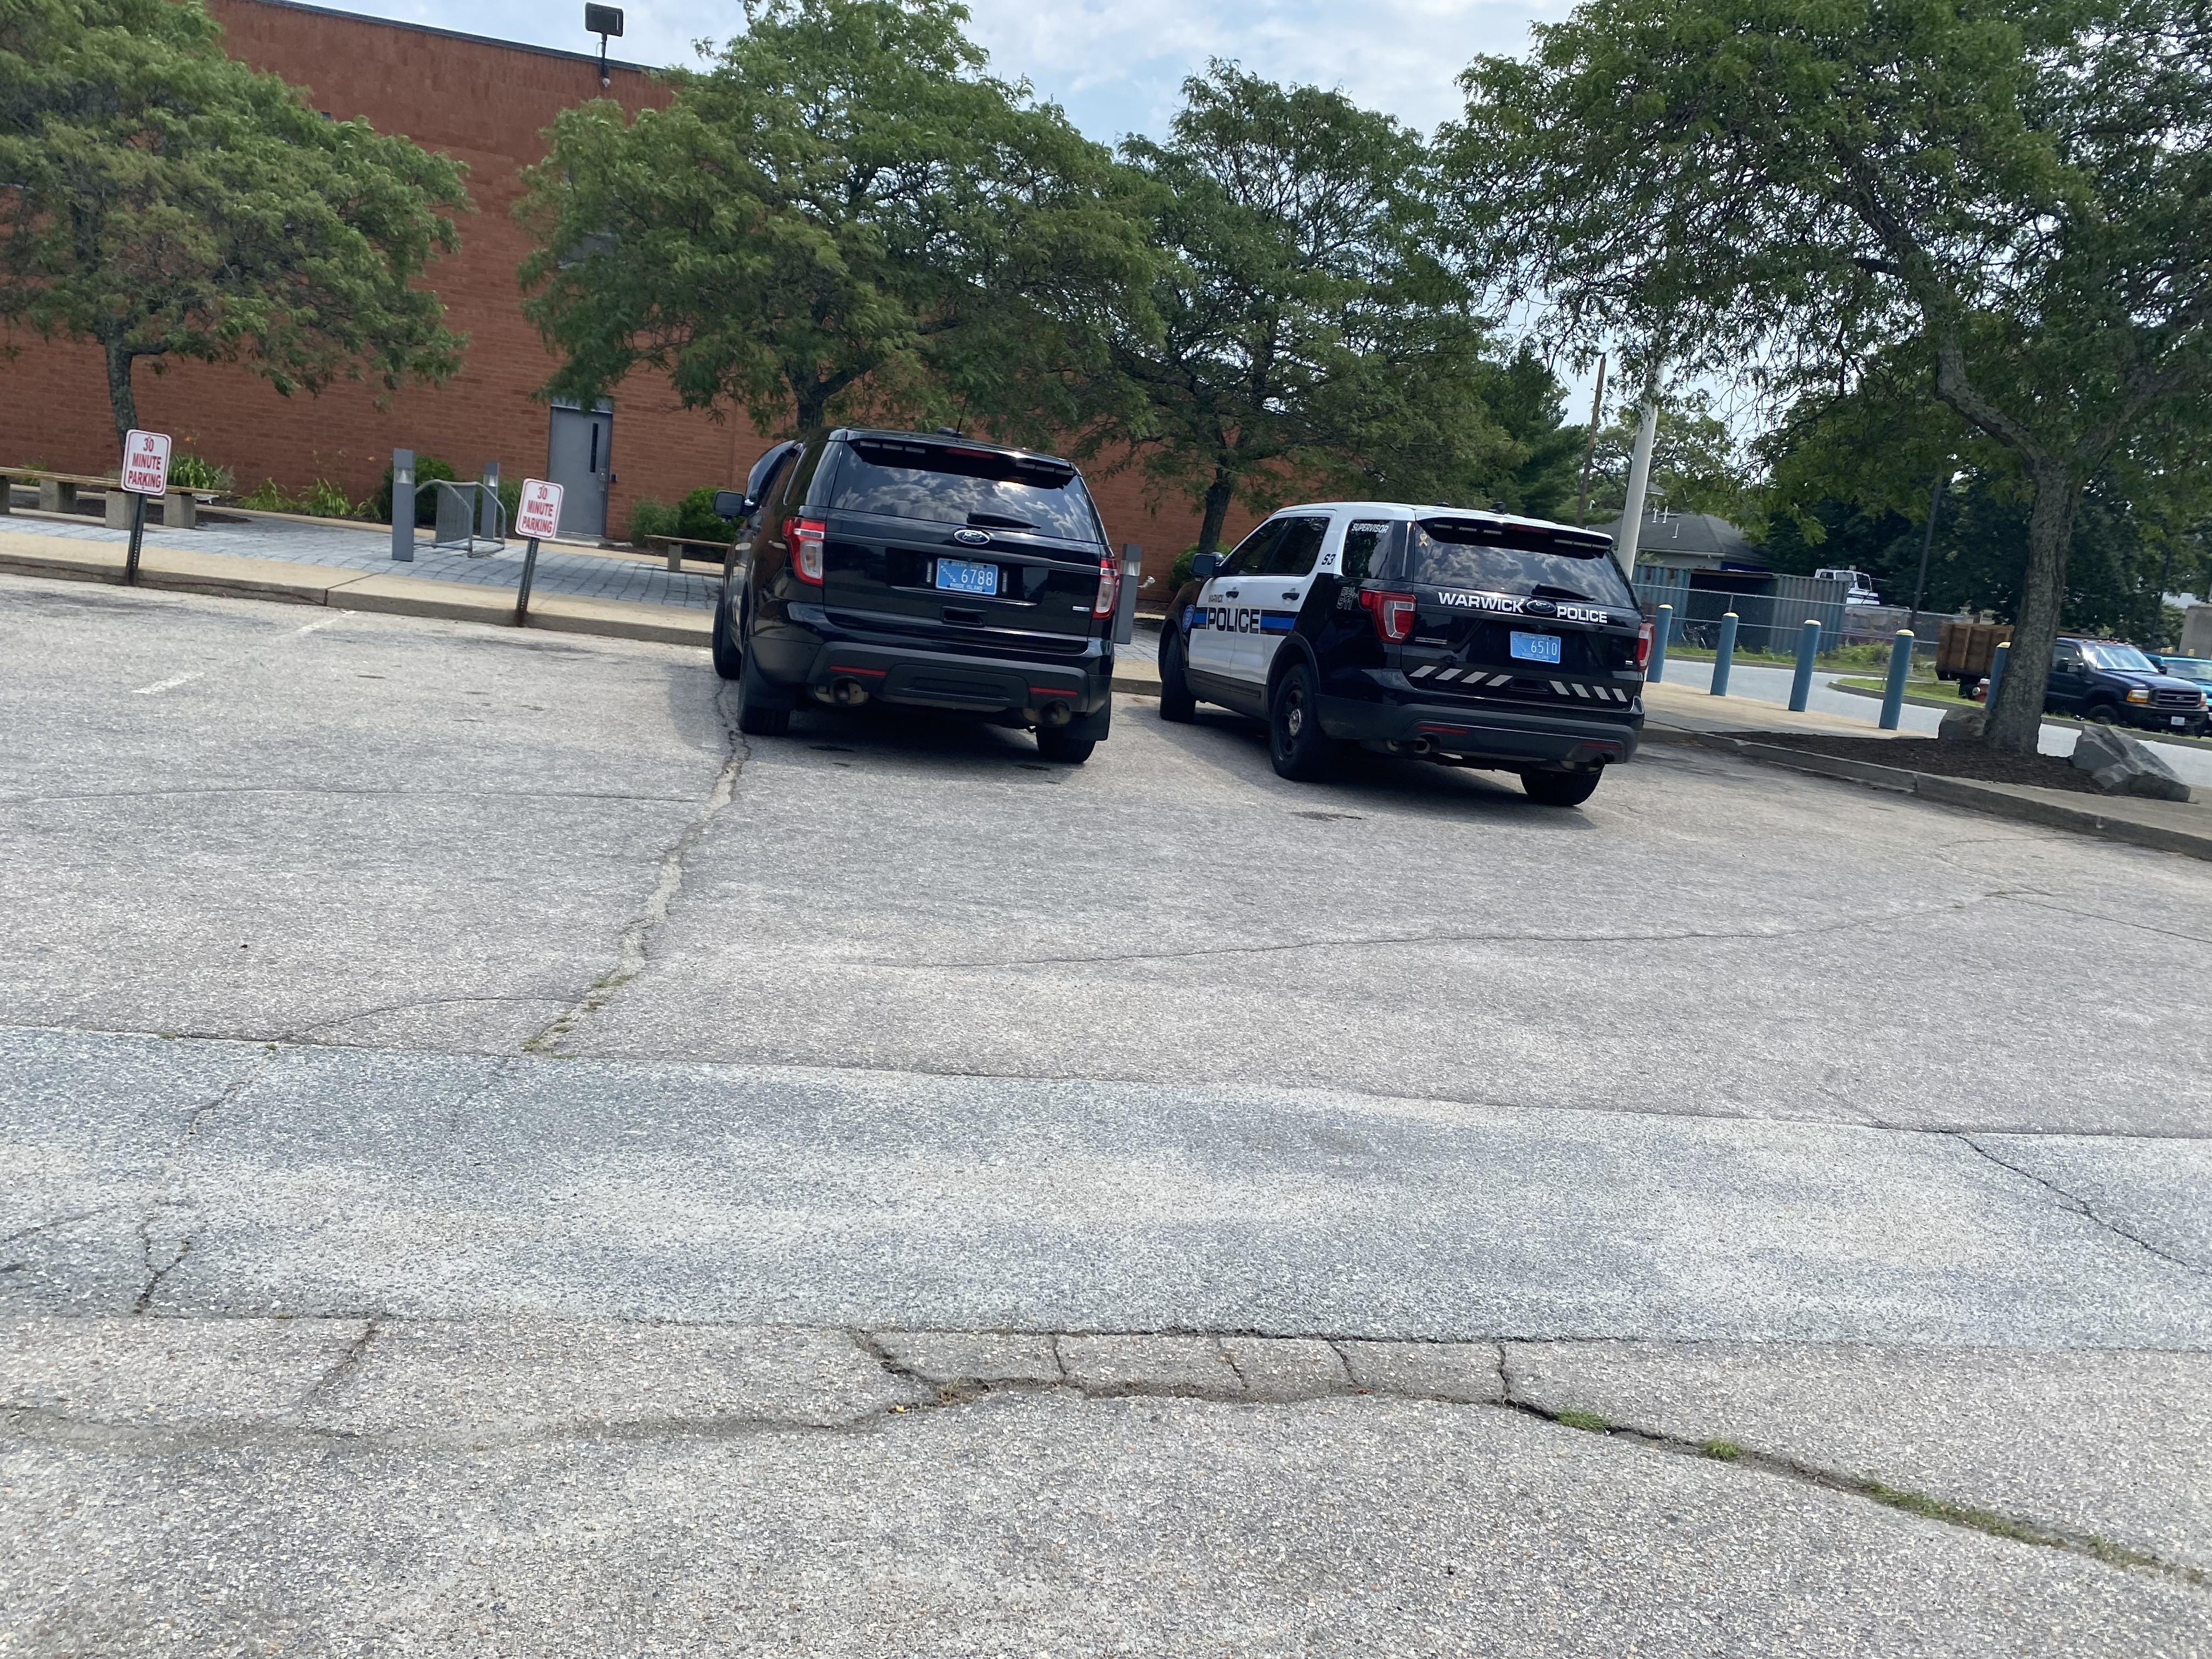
(175, 681)
(170, 684)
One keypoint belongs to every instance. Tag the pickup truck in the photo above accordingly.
(2116, 684)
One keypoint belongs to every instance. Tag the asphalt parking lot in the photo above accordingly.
(481, 1138)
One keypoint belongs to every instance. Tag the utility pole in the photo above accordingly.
(1590, 448)
(1640, 479)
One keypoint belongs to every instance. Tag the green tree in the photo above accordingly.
(845, 216)
(1696, 464)
(161, 200)
(1307, 327)
(2017, 194)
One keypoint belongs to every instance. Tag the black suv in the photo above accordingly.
(920, 569)
(1475, 639)
(2116, 684)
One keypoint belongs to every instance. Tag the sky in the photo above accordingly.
(1114, 64)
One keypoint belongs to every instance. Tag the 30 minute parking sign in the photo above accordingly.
(537, 515)
(146, 463)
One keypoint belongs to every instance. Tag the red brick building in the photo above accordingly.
(486, 103)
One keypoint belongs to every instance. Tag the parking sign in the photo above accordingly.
(538, 515)
(146, 463)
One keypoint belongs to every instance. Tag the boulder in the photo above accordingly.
(2121, 766)
(1963, 726)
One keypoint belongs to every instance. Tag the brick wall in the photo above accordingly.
(486, 104)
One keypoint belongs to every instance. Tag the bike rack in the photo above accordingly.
(463, 510)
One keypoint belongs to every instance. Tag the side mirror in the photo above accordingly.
(1202, 567)
(731, 504)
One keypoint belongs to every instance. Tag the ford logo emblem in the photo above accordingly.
(971, 538)
(1539, 608)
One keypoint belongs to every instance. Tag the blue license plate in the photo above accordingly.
(970, 576)
(1535, 648)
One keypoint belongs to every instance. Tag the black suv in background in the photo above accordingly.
(920, 569)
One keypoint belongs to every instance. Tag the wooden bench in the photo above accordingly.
(678, 549)
(57, 494)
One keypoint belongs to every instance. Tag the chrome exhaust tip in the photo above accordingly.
(1055, 714)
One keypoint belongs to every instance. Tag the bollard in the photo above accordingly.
(1725, 659)
(1998, 658)
(1808, 647)
(1900, 666)
(403, 506)
(1662, 625)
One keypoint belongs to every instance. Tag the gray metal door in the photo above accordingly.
(579, 458)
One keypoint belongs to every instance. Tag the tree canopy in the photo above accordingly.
(161, 200)
(2014, 196)
(845, 215)
(1306, 326)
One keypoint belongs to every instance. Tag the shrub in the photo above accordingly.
(195, 472)
(649, 517)
(1181, 574)
(698, 520)
(427, 469)
(320, 500)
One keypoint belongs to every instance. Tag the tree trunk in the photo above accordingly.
(2017, 720)
(1217, 508)
(122, 401)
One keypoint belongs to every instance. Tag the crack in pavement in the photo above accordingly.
(172, 1169)
(630, 954)
(2043, 903)
(1968, 1517)
(1682, 936)
(58, 1221)
(2080, 1206)
(302, 1034)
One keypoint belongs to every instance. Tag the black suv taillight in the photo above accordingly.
(804, 537)
(1110, 586)
(1393, 614)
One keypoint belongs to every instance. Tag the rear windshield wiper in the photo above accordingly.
(997, 521)
(1546, 591)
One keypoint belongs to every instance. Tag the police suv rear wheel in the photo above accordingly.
(1299, 748)
(1176, 702)
(1559, 788)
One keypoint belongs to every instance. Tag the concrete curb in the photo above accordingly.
(227, 576)
(1997, 801)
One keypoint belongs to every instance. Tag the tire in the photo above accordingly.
(2104, 714)
(1301, 751)
(757, 717)
(1559, 788)
(1176, 702)
(729, 656)
(1057, 745)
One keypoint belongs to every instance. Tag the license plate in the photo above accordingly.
(1535, 648)
(967, 576)
(2181, 719)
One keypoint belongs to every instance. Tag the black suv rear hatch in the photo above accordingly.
(1520, 611)
(976, 547)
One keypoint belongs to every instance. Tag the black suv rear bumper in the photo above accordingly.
(1508, 737)
(811, 658)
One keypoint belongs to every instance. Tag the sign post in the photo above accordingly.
(145, 472)
(537, 517)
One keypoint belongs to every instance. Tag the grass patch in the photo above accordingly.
(1588, 1422)
(1722, 1451)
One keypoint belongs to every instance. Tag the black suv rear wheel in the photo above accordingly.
(724, 649)
(758, 715)
(1559, 788)
(1055, 744)
(1299, 748)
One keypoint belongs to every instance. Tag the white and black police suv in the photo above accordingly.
(1473, 639)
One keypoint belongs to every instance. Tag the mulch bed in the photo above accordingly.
(1945, 760)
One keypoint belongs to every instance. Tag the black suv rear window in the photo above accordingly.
(1517, 559)
(944, 484)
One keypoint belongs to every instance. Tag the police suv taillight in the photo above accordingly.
(1643, 648)
(1393, 614)
(1110, 586)
(804, 537)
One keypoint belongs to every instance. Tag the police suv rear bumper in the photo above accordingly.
(1506, 738)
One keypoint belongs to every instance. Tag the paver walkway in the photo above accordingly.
(581, 572)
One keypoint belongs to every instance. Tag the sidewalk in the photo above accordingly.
(1679, 714)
